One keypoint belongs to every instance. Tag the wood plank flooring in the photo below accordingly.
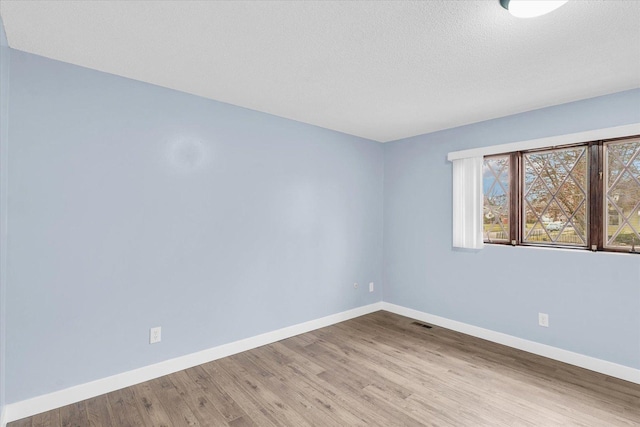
(376, 370)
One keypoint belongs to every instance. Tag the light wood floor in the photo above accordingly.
(376, 370)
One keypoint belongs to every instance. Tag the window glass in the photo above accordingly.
(622, 193)
(554, 202)
(495, 184)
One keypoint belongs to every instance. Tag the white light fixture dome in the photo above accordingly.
(531, 8)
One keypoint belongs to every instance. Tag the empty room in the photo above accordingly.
(319, 213)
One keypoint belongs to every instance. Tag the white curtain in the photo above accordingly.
(467, 203)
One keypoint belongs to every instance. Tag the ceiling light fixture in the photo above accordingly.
(531, 8)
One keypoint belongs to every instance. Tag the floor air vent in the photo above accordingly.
(424, 325)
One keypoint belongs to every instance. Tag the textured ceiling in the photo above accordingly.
(381, 70)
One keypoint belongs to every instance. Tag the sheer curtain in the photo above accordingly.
(467, 203)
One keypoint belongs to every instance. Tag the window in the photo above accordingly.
(555, 196)
(622, 193)
(495, 185)
(583, 196)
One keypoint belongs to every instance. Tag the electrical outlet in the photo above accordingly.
(543, 319)
(370, 286)
(355, 285)
(155, 335)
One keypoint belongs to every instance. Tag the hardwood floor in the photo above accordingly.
(376, 370)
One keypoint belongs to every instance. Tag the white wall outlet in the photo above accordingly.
(355, 285)
(543, 319)
(370, 286)
(155, 335)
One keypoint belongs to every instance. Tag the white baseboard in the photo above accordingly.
(598, 365)
(47, 402)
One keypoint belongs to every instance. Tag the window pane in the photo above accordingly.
(622, 193)
(555, 197)
(495, 185)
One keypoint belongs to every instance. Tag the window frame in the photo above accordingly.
(595, 197)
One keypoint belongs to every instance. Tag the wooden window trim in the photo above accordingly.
(595, 241)
(514, 201)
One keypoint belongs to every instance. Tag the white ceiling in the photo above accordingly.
(383, 70)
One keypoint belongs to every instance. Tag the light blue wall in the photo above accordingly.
(593, 299)
(4, 119)
(134, 206)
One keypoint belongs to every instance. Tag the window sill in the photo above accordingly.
(560, 248)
